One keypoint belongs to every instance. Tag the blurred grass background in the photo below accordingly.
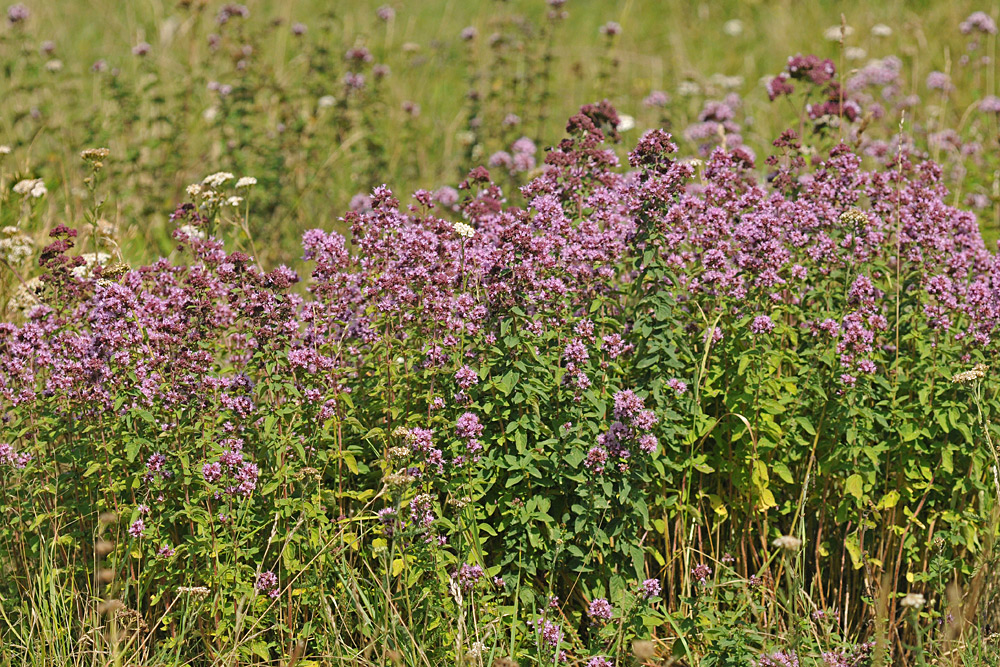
(166, 128)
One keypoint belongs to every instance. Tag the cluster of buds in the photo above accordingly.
(95, 157)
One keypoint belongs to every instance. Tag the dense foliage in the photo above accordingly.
(664, 400)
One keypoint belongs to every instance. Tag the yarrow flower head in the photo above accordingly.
(31, 187)
(976, 373)
(218, 179)
(246, 182)
(464, 230)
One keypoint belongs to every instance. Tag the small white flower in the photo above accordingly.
(855, 53)
(16, 248)
(464, 230)
(787, 543)
(54, 65)
(90, 260)
(475, 650)
(210, 114)
(217, 179)
(34, 187)
(913, 601)
(194, 189)
(881, 30)
(5, 150)
(688, 89)
(327, 101)
(726, 82)
(246, 182)
(833, 32)
(192, 232)
(466, 138)
(234, 201)
(625, 123)
(733, 27)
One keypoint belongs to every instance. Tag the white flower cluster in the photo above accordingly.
(464, 230)
(34, 187)
(90, 259)
(15, 247)
(27, 295)
(217, 179)
(192, 232)
(208, 189)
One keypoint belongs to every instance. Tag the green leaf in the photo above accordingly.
(783, 472)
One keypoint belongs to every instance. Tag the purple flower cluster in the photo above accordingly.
(239, 474)
(600, 610)
(778, 659)
(701, 573)
(468, 576)
(631, 428)
(857, 656)
(650, 588)
(9, 456)
(550, 633)
(267, 584)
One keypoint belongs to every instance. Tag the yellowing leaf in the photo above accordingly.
(851, 543)
(888, 501)
(766, 500)
(397, 566)
(718, 506)
(854, 486)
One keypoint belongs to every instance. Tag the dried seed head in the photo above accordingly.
(643, 649)
(976, 373)
(787, 543)
(107, 518)
(398, 479)
(504, 662)
(109, 607)
(105, 575)
(103, 547)
(398, 453)
(95, 154)
(854, 219)
(193, 591)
